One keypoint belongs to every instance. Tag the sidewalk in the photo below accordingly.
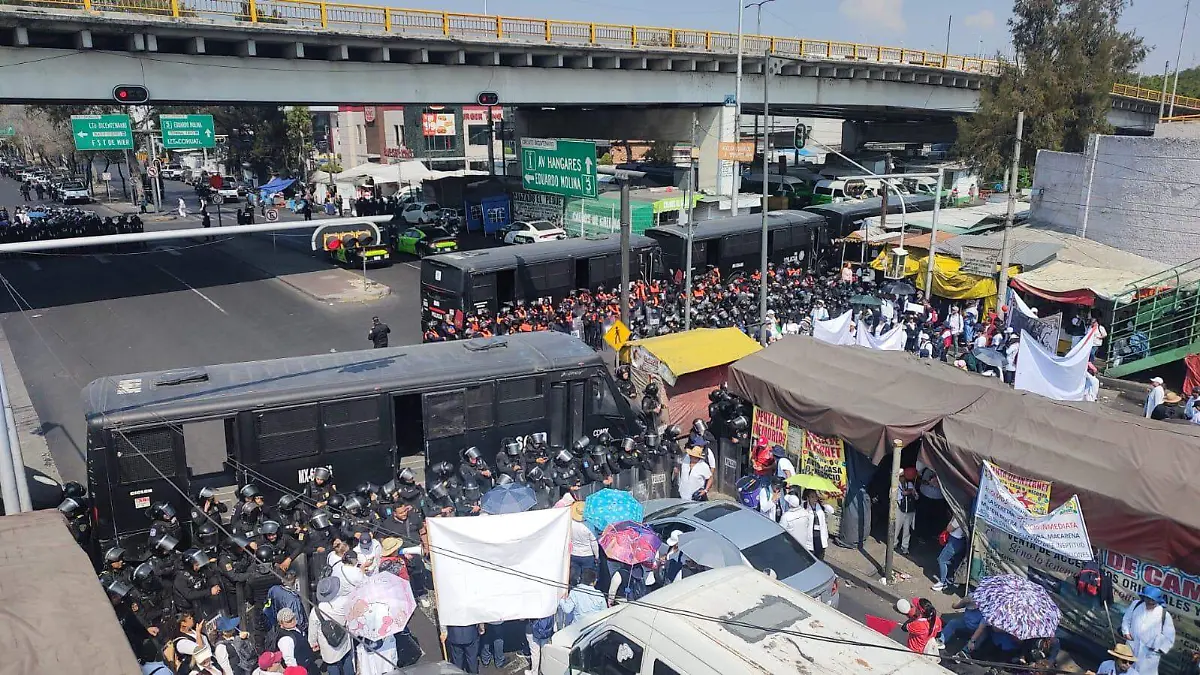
(303, 273)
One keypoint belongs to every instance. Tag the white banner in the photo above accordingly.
(891, 341)
(496, 568)
(1062, 378)
(835, 331)
(1061, 531)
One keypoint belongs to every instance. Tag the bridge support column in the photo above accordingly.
(714, 176)
(853, 136)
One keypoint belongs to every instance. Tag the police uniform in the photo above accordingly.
(193, 592)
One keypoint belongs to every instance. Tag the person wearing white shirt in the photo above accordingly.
(819, 313)
(956, 323)
(1149, 629)
(956, 543)
(981, 341)
(807, 523)
(784, 469)
(770, 498)
(1155, 396)
(695, 476)
(584, 547)
(1121, 663)
(347, 571)
(377, 657)
(1010, 359)
(370, 552)
(333, 605)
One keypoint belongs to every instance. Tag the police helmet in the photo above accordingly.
(239, 542)
(197, 557)
(564, 456)
(367, 489)
(581, 444)
(119, 588)
(442, 469)
(538, 439)
(628, 444)
(739, 423)
(406, 476)
(355, 505)
(511, 447)
(504, 479)
(652, 440)
(251, 509)
(207, 534)
(319, 520)
(336, 501)
(604, 438)
(143, 573)
(472, 453)
(207, 493)
(288, 503)
(161, 510)
(114, 554)
(699, 426)
(651, 390)
(268, 528)
(265, 553)
(322, 474)
(535, 473)
(166, 544)
(672, 432)
(391, 487)
(70, 506)
(438, 491)
(598, 451)
(250, 492)
(74, 490)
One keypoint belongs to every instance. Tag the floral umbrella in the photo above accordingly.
(629, 542)
(1017, 606)
(608, 506)
(380, 606)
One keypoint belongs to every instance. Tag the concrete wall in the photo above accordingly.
(1144, 199)
(1178, 130)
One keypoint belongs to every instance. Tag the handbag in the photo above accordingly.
(700, 495)
(944, 537)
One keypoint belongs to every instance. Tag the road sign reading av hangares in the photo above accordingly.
(102, 132)
(184, 132)
(559, 166)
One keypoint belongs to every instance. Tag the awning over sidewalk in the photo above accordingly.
(1133, 475)
(695, 350)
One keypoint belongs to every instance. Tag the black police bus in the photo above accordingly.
(846, 217)
(363, 414)
(734, 244)
(468, 281)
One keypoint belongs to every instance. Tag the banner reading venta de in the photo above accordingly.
(1062, 530)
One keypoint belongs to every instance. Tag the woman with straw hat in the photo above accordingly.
(1121, 662)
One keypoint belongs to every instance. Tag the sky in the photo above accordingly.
(978, 27)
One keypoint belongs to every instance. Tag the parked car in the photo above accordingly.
(229, 190)
(763, 543)
(420, 213)
(172, 172)
(425, 240)
(532, 231)
(74, 192)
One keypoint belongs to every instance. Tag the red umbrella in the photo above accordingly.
(629, 542)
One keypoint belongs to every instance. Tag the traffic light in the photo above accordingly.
(488, 98)
(130, 93)
(801, 137)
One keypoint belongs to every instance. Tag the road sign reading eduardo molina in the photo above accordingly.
(181, 132)
(559, 166)
(102, 132)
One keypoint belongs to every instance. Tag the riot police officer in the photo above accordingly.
(155, 601)
(210, 507)
(536, 451)
(285, 547)
(320, 487)
(248, 513)
(196, 586)
(114, 566)
(207, 537)
(473, 467)
(164, 557)
(467, 503)
(291, 513)
(163, 521)
(321, 535)
(595, 465)
(440, 502)
(79, 520)
(233, 565)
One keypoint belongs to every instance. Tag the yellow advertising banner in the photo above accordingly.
(824, 456)
(1033, 494)
(769, 427)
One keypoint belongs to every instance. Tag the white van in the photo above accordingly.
(836, 190)
(728, 621)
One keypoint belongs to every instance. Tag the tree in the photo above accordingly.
(1069, 53)
(661, 153)
(1189, 82)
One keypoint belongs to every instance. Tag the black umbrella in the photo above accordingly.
(899, 287)
(989, 357)
(865, 301)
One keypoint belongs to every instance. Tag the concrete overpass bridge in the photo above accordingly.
(600, 79)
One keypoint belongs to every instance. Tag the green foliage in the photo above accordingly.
(605, 159)
(1189, 82)
(660, 152)
(1069, 52)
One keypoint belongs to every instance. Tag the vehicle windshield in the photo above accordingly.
(74, 185)
(434, 232)
(543, 225)
(781, 553)
(432, 207)
(823, 190)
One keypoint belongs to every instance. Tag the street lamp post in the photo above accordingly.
(757, 31)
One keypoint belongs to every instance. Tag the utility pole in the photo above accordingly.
(1162, 101)
(883, 202)
(687, 272)
(626, 226)
(1179, 55)
(757, 31)
(491, 144)
(949, 23)
(893, 533)
(763, 267)
(933, 232)
(1005, 247)
(737, 113)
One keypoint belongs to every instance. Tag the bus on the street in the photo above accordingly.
(455, 284)
(364, 414)
(734, 245)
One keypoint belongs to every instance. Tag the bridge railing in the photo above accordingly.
(1154, 95)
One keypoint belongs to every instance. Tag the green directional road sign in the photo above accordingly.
(184, 132)
(559, 166)
(102, 132)
(8, 131)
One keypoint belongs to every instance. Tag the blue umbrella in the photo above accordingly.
(608, 506)
(511, 498)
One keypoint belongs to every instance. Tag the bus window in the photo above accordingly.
(140, 452)
(445, 414)
(480, 400)
(288, 434)
(205, 446)
(558, 415)
(521, 399)
(560, 274)
(351, 424)
(603, 402)
(483, 288)
(737, 245)
(780, 239)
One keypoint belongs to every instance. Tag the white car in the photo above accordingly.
(75, 192)
(421, 213)
(172, 172)
(532, 232)
(229, 190)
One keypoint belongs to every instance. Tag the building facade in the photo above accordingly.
(445, 138)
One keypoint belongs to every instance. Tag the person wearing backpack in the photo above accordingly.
(1149, 629)
(234, 652)
(537, 634)
(326, 627)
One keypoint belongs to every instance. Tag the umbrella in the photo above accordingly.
(1017, 606)
(379, 607)
(989, 357)
(511, 498)
(605, 507)
(866, 301)
(807, 482)
(709, 550)
(629, 542)
(899, 287)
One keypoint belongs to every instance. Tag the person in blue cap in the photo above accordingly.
(1149, 629)
(234, 652)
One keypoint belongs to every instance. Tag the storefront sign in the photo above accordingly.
(769, 427)
(438, 124)
(478, 114)
(824, 456)
(1062, 530)
(1033, 494)
(528, 205)
(678, 203)
(398, 153)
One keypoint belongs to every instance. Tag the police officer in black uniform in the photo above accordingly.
(440, 501)
(320, 487)
(543, 487)
(113, 566)
(467, 502)
(595, 465)
(248, 513)
(207, 537)
(79, 521)
(472, 466)
(537, 451)
(163, 521)
(284, 545)
(319, 542)
(292, 514)
(357, 515)
(210, 508)
(234, 559)
(196, 586)
(153, 598)
(379, 333)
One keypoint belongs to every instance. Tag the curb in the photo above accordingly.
(384, 289)
(859, 579)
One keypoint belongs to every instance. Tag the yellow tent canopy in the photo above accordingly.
(948, 280)
(693, 350)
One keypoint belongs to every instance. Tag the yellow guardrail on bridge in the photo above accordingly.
(419, 23)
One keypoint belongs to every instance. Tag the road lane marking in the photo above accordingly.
(206, 298)
(415, 266)
(34, 266)
(168, 249)
(102, 259)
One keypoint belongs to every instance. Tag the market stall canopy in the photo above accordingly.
(695, 350)
(275, 185)
(411, 171)
(1133, 475)
(321, 177)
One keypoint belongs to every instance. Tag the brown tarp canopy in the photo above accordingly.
(54, 617)
(1133, 475)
